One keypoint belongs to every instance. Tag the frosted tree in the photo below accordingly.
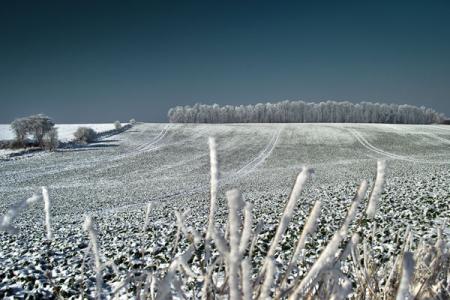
(304, 112)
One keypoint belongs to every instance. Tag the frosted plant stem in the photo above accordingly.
(83, 262)
(268, 280)
(394, 267)
(207, 279)
(308, 229)
(92, 233)
(327, 256)
(247, 228)
(47, 212)
(403, 292)
(377, 189)
(289, 209)
(164, 288)
(257, 231)
(144, 227)
(247, 280)
(287, 214)
(214, 181)
(147, 216)
(234, 257)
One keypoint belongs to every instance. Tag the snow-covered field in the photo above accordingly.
(168, 164)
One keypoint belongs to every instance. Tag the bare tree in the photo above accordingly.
(36, 126)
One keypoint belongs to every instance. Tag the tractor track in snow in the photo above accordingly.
(441, 139)
(366, 144)
(155, 141)
(153, 144)
(263, 155)
(243, 171)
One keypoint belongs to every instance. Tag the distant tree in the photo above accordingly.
(36, 126)
(303, 112)
(117, 125)
(85, 134)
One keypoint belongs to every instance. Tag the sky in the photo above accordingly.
(101, 61)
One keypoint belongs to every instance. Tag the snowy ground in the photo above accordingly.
(168, 165)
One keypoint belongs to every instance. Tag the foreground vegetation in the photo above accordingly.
(228, 263)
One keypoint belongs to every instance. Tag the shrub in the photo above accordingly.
(85, 134)
(50, 140)
(117, 125)
(36, 125)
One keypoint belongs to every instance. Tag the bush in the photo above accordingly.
(50, 140)
(117, 125)
(37, 126)
(132, 121)
(85, 134)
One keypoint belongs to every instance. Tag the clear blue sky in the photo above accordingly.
(98, 61)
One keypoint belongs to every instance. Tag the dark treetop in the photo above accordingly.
(98, 61)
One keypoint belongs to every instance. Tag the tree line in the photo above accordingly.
(306, 112)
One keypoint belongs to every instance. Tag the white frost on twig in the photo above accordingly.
(377, 189)
(47, 212)
(92, 233)
(407, 274)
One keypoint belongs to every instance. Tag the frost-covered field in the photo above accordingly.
(168, 165)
